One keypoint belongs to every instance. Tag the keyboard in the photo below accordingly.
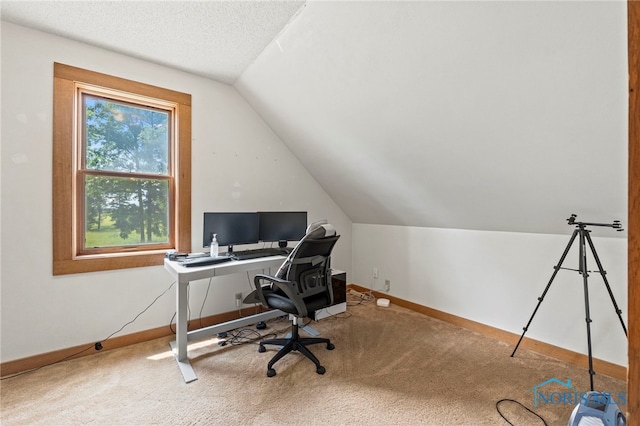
(203, 261)
(258, 253)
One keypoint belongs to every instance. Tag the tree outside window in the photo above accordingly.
(125, 174)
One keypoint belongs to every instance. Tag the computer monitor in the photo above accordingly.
(282, 226)
(230, 229)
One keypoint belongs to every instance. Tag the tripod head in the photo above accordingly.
(615, 225)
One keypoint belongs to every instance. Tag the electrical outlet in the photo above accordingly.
(238, 299)
(387, 285)
(375, 272)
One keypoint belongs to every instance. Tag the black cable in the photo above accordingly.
(188, 312)
(51, 363)
(188, 304)
(171, 322)
(337, 316)
(361, 299)
(205, 299)
(143, 311)
(520, 404)
(93, 346)
(242, 336)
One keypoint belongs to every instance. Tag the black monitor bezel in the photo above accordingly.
(283, 216)
(223, 239)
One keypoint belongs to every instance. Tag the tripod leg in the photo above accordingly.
(544, 293)
(606, 283)
(585, 277)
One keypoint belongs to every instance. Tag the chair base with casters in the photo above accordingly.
(294, 343)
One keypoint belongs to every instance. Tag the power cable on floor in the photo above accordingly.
(520, 404)
(98, 345)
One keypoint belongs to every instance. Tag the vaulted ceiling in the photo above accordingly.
(502, 116)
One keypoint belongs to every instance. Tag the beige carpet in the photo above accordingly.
(391, 366)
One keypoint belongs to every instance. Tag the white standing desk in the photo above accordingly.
(183, 276)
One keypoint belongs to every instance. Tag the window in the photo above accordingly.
(121, 172)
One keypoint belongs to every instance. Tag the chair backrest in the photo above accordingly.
(309, 263)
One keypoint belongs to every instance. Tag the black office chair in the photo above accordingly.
(301, 286)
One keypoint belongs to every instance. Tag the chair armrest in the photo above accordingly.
(269, 278)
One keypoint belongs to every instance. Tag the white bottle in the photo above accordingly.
(214, 247)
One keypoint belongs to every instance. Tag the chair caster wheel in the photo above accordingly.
(261, 349)
(331, 346)
(320, 370)
(271, 372)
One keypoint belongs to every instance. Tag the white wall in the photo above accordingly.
(238, 164)
(495, 278)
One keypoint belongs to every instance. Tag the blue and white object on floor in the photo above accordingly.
(597, 409)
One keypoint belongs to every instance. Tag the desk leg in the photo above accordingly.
(179, 347)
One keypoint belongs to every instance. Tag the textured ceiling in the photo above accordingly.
(215, 39)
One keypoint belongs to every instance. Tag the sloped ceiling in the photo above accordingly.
(502, 116)
(505, 116)
(214, 39)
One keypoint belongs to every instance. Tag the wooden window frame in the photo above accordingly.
(67, 257)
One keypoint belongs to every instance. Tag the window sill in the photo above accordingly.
(108, 262)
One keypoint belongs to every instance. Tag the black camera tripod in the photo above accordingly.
(582, 269)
